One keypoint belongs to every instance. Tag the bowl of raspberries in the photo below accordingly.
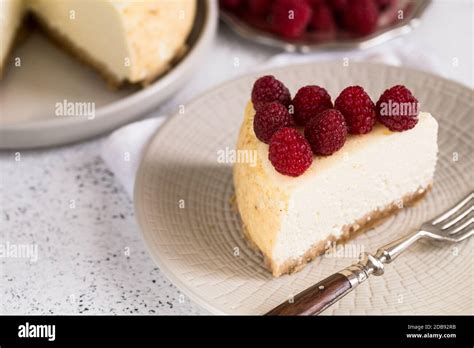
(310, 25)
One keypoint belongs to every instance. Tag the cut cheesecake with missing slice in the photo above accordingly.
(124, 40)
(291, 220)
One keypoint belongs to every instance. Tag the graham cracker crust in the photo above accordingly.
(363, 224)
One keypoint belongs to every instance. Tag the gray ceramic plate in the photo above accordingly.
(182, 196)
(28, 95)
(413, 10)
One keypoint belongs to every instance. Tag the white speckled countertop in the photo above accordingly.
(64, 201)
(67, 203)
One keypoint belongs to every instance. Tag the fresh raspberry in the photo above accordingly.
(231, 4)
(270, 118)
(268, 89)
(357, 108)
(260, 8)
(315, 3)
(384, 4)
(290, 17)
(361, 16)
(397, 109)
(322, 19)
(326, 133)
(290, 152)
(310, 101)
(337, 5)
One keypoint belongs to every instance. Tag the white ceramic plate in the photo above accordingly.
(28, 95)
(194, 243)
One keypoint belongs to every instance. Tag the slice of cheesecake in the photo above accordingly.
(293, 219)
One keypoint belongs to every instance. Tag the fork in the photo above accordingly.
(453, 226)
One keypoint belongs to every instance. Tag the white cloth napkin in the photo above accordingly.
(122, 150)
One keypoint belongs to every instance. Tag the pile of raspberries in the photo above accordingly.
(291, 19)
(309, 123)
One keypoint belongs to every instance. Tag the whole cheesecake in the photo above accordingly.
(124, 40)
(293, 219)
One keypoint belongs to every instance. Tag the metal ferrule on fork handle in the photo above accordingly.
(374, 264)
(360, 271)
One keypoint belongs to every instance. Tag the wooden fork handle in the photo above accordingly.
(316, 298)
(320, 296)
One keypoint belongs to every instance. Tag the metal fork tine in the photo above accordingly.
(466, 233)
(453, 210)
(461, 225)
(458, 216)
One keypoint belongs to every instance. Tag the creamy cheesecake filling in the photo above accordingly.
(286, 217)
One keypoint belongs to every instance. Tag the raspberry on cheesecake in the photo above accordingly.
(357, 108)
(310, 101)
(268, 89)
(270, 118)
